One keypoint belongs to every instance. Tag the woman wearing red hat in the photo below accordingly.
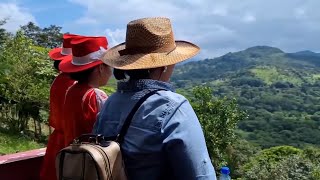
(57, 93)
(83, 100)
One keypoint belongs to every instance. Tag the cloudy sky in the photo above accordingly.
(217, 26)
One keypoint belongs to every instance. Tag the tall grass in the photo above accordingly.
(12, 143)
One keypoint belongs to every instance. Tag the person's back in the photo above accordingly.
(56, 139)
(83, 100)
(164, 139)
(58, 91)
(80, 110)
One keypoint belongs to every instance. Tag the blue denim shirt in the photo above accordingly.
(164, 140)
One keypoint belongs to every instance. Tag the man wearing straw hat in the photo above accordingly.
(164, 139)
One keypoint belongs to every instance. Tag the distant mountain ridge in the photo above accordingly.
(280, 91)
(306, 53)
(244, 60)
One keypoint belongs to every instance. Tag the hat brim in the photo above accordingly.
(56, 55)
(67, 66)
(183, 51)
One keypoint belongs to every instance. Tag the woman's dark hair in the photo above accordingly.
(56, 64)
(136, 74)
(81, 76)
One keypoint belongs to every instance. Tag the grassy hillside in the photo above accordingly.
(280, 91)
(12, 143)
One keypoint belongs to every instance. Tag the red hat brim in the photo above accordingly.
(56, 55)
(67, 66)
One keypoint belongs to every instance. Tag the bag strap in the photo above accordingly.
(128, 120)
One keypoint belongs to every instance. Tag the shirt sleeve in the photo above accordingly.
(92, 103)
(185, 145)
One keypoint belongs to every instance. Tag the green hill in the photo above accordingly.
(280, 91)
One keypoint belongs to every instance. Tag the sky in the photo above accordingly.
(217, 26)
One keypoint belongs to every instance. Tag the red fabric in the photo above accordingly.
(80, 110)
(58, 91)
(56, 140)
(55, 53)
(82, 47)
(55, 144)
(67, 66)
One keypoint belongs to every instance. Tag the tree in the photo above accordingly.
(32, 32)
(218, 118)
(48, 37)
(25, 84)
(51, 37)
(238, 153)
(282, 162)
(3, 33)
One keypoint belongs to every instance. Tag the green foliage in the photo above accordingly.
(279, 91)
(110, 87)
(239, 153)
(25, 82)
(219, 118)
(48, 37)
(273, 74)
(283, 162)
(274, 154)
(313, 154)
(3, 34)
(13, 142)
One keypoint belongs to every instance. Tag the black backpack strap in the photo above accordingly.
(128, 120)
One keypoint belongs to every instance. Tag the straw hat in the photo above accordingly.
(86, 54)
(58, 54)
(149, 44)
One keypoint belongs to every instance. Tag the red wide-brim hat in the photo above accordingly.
(86, 54)
(58, 54)
(68, 67)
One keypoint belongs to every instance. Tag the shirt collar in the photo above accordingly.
(144, 84)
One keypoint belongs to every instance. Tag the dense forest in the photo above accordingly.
(258, 108)
(280, 92)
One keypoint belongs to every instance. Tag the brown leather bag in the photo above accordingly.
(95, 157)
(90, 160)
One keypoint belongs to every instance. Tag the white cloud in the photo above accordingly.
(16, 16)
(300, 12)
(86, 21)
(115, 37)
(217, 26)
(249, 18)
(220, 11)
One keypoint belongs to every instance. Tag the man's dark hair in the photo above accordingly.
(136, 74)
(56, 64)
(81, 76)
